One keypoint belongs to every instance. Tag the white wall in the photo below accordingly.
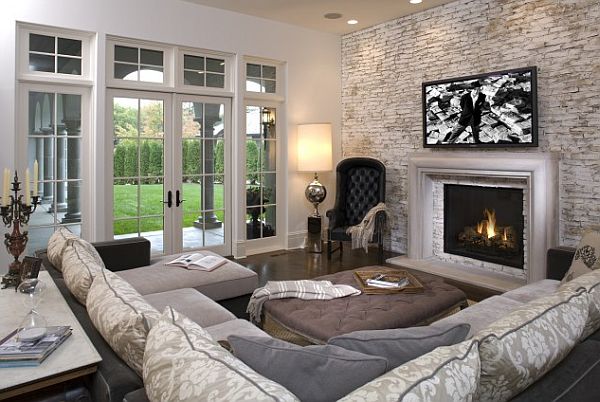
(313, 66)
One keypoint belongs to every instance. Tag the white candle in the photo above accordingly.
(36, 169)
(5, 187)
(27, 193)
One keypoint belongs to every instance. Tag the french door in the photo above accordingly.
(171, 170)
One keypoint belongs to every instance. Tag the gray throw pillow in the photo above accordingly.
(401, 345)
(312, 373)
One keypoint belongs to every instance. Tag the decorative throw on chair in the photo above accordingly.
(302, 289)
(362, 233)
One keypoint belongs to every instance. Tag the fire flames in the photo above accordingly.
(488, 226)
(488, 235)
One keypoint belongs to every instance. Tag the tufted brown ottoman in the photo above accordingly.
(315, 321)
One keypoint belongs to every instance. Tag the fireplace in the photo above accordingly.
(484, 223)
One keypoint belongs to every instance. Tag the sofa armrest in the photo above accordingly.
(121, 254)
(558, 262)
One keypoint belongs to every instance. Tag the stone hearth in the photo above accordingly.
(536, 173)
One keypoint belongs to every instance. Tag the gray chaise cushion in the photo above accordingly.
(402, 344)
(312, 373)
(222, 331)
(482, 314)
(227, 281)
(193, 304)
(532, 291)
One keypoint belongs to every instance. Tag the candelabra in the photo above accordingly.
(15, 212)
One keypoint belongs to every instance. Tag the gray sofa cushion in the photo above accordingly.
(312, 373)
(403, 344)
(222, 331)
(193, 304)
(482, 314)
(227, 281)
(532, 291)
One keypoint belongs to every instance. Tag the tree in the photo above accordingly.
(119, 160)
(145, 159)
(156, 159)
(219, 153)
(130, 164)
(252, 160)
(151, 119)
(125, 121)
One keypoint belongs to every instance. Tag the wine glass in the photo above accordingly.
(33, 326)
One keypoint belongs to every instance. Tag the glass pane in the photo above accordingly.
(43, 213)
(213, 193)
(253, 193)
(253, 85)
(191, 156)
(269, 72)
(215, 80)
(151, 118)
(253, 70)
(193, 62)
(214, 234)
(73, 158)
(125, 117)
(67, 65)
(193, 235)
(151, 74)
(268, 154)
(41, 43)
(44, 149)
(126, 228)
(38, 238)
(213, 120)
(215, 65)
(219, 152)
(269, 222)
(192, 193)
(127, 72)
(269, 86)
(73, 200)
(152, 57)
(253, 125)
(151, 199)
(152, 229)
(69, 113)
(253, 225)
(40, 62)
(268, 187)
(191, 119)
(125, 198)
(126, 53)
(71, 47)
(193, 78)
(151, 163)
(253, 156)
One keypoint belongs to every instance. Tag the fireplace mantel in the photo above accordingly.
(539, 170)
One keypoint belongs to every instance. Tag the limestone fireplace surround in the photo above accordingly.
(540, 173)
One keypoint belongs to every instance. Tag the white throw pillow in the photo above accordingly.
(183, 363)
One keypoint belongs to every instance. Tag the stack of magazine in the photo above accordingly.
(198, 262)
(388, 281)
(18, 353)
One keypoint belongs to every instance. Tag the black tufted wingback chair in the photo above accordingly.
(360, 185)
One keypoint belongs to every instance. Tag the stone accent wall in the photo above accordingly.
(383, 68)
(438, 222)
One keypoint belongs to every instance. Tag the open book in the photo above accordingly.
(198, 261)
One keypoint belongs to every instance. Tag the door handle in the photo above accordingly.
(169, 200)
(178, 202)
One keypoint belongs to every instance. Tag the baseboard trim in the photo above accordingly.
(296, 239)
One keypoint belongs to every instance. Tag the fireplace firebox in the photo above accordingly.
(484, 223)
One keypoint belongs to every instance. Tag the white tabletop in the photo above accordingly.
(77, 352)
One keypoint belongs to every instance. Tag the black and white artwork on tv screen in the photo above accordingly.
(496, 109)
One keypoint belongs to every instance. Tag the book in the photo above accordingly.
(363, 275)
(388, 281)
(17, 353)
(198, 262)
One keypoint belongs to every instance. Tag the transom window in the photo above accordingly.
(138, 64)
(55, 54)
(203, 71)
(261, 78)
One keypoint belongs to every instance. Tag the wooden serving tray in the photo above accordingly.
(361, 276)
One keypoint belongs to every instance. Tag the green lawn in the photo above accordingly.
(151, 197)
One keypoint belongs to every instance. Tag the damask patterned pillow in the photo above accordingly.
(56, 245)
(448, 373)
(80, 264)
(121, 315)
(587, 256)
(591, 283)
(521, 347)
(183, 363)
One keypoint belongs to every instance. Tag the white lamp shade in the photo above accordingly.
(314, 147)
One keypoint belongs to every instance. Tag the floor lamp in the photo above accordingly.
(314, 155)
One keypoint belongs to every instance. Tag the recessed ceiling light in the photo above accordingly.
(352, 22)
(333, 16)
(415, 1)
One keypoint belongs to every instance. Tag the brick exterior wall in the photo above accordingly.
(383, 68)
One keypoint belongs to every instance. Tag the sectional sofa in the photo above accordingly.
(536, 343)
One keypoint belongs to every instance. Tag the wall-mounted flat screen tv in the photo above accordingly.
(492, 110)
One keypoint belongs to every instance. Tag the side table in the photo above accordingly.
(314, 243)
(75, 358)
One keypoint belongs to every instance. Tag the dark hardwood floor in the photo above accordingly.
(299, 264)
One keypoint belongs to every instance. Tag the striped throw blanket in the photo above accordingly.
(362, 233)
(303, 289)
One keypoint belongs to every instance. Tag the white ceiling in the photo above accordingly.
(309, 13)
